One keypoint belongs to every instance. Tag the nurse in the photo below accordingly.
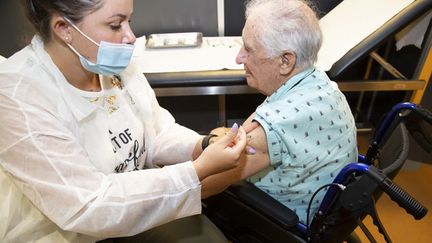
(86, 152)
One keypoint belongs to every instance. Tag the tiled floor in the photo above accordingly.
(416, 179)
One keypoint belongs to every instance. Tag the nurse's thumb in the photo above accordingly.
(231, 135)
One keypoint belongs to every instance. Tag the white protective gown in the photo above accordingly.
(58, 161)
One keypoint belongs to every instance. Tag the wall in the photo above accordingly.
(165, 16)
(16, 31)
(150, 16)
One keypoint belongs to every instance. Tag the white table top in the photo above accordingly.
(343, 28)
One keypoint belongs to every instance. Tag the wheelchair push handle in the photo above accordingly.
(397, 194)
(424, 113)
(403, 199)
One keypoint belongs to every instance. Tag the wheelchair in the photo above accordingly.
(248, 215)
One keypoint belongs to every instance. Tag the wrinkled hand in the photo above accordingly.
(220, 131)
(223, 154)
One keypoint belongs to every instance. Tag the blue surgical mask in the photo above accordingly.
(112, 58)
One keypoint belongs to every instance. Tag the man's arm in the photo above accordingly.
(250, 165)
(250, 124)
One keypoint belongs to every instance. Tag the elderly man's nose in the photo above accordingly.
(241, 56)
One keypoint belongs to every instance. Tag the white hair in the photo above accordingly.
(286, 25)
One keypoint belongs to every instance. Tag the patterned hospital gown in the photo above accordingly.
(311, 135)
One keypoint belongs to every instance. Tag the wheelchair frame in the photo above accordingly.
(348, 203)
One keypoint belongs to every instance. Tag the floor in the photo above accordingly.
(416, 179)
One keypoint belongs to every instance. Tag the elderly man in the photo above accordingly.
(306, 132)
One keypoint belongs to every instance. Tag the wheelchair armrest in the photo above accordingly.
(263, 203)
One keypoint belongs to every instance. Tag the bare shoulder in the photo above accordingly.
(258, 140)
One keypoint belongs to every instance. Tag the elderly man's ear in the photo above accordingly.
(287, 63)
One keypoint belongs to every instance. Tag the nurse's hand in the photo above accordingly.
(248, 126)
(222, 155)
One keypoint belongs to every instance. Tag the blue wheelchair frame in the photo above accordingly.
(365, 166)
(262, 213)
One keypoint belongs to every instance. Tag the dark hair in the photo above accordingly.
(39, 12)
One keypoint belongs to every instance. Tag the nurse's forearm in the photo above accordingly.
(250, 165)
(197, 150)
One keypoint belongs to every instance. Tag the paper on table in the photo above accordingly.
(350, 22)
(215, 53)
(414, 33)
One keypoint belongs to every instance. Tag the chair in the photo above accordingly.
(247, 214)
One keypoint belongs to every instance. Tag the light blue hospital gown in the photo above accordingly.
(311, 135)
